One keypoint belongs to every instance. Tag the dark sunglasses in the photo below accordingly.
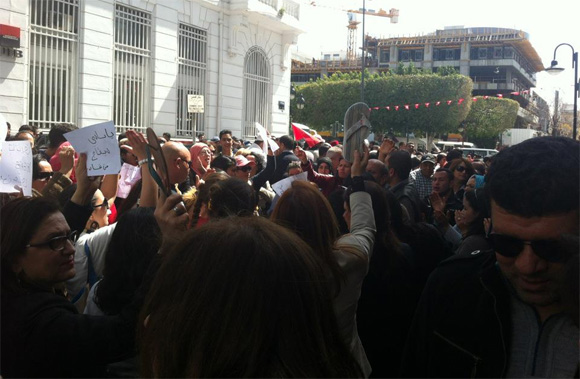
(245, 168)
(57, 243)
(460, 168)
(550, 250)
(105, 203)
(44, 175)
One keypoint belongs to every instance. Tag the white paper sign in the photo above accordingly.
(263, 136)
(3, 129)
(99, 142)
(282, 185)
(195, 103)
(16, 167)
(129, 176)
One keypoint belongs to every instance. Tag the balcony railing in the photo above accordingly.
(292, 8)
(272, 3)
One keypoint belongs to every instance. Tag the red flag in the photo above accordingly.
(499, 95)
(427, 105)
(396, 107)
(437, 103)
(449, 102)
(514, 93)
(474, 99)
(526, 91)
(301, 134)
(376, 108)
(416, 106)
(460, 101)
(485, 97)
(388, 108)
(407, 106)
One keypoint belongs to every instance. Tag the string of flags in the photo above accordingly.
(438, 103)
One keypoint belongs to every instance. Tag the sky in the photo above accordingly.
(548, 24)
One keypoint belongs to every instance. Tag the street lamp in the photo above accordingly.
(460, 130)
(292, 92)
(556, 70)
(300, 102)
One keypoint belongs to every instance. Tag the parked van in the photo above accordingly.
(481, 152)
(447, 145)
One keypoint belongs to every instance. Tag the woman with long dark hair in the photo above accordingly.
(470, 222)
(304, 209)
(242, 297)
(42, 333)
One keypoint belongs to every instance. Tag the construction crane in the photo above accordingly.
(353, 25)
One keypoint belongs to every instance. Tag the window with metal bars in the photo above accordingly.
(131, 102)
(257, 91)
(53, 63)
(191, 78)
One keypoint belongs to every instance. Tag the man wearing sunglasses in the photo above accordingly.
(511, 311)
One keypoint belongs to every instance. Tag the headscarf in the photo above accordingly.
(479, 181)
(194, 151)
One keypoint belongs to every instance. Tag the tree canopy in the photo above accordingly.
(490, 117)
(327, 100)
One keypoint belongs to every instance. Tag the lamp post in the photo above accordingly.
(556, 70)
(362, 71)
(300, 102)
(292, 92)
(461, 129)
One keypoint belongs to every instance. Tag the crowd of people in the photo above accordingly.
(194, 262)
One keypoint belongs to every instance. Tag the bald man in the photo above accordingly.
(379, 171)
(178, 161)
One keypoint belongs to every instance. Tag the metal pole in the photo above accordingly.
(362, 76)
(574, 124)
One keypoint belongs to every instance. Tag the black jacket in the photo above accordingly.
(43, 335)
(462, 324)
(282, 162)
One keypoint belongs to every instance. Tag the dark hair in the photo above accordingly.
(400, 161)
(202, 195)
(225, 131)
(305, 210)
(121, 136)
(478, 167)
(57, 132)
(223, 162)
(537, 177)
(324, 160)
(231, 197)
(322, 149)
(440, 157)
(133, 245)
(167, 136)
(468, 167)
(448, 172)
(292, 165)
(387, 248)
(288, 142)
(28, 128)
(242, 297)
(20, 219)
(454, 154)
(476, 200)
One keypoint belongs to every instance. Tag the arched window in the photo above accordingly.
(257, 97)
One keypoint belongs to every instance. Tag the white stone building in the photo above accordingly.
(135, 62)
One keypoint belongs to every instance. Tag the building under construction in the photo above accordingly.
(498, 60)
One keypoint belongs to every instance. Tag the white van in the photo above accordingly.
(446, 145)
(481, 152)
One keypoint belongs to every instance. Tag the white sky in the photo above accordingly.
(548, 23)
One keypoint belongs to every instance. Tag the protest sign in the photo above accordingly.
(16, 167)
(99, 142)
(282, 185)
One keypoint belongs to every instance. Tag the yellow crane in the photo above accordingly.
(393, 14)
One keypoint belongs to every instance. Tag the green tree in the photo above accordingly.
(328, 99)
(488, 118)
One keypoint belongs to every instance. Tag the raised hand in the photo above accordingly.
(67, 160)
